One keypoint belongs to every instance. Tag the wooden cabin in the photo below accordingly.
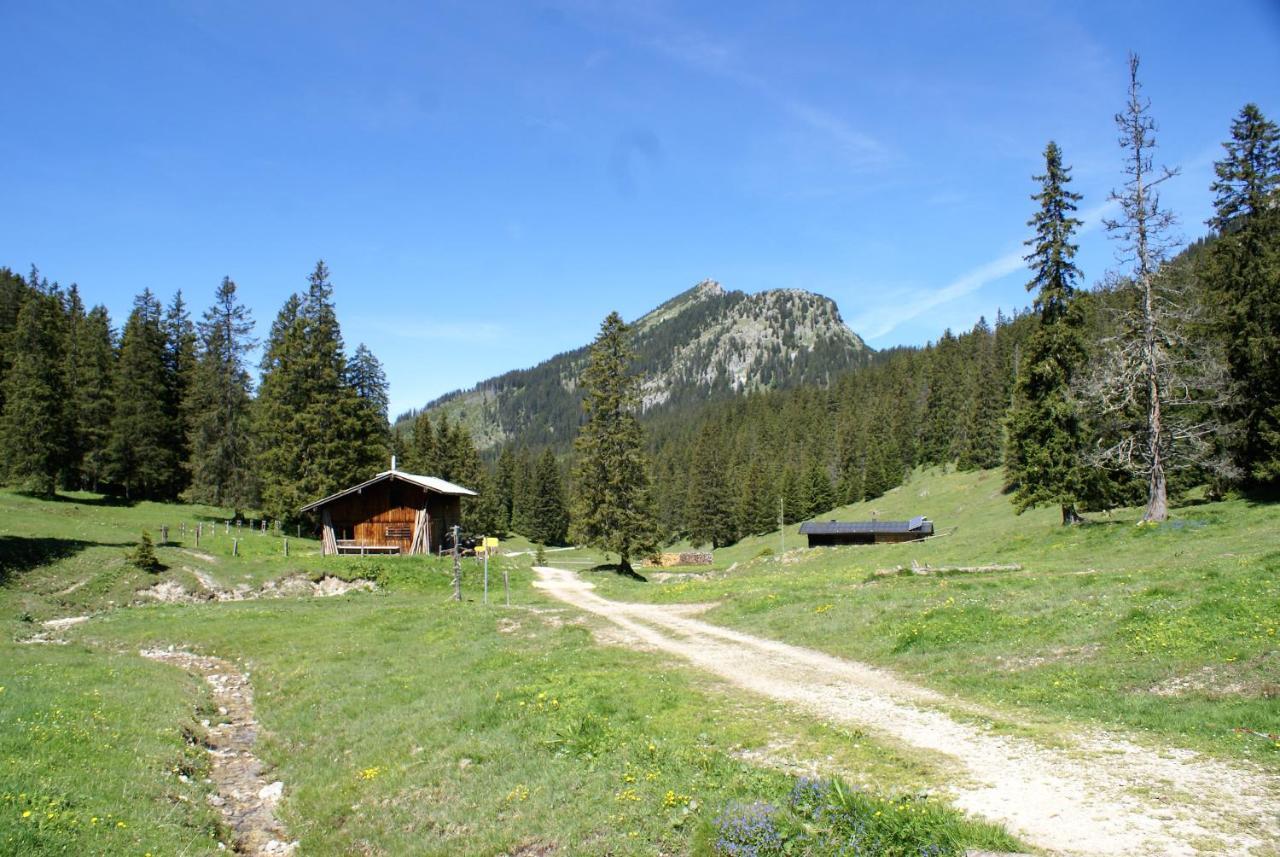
(392, 513)
(830, 533)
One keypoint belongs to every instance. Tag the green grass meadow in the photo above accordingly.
(404, 723)
(1170, 630)
(399, 721)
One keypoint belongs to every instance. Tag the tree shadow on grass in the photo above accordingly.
(617, 569)
(22, 553)
(104, 500)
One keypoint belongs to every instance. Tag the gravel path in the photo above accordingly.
(1102, 795)
(246, 799)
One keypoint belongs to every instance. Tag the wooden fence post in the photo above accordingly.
(286, 545)
(235, 546)
(457, 565)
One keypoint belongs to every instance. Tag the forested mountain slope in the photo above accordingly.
(702, 345)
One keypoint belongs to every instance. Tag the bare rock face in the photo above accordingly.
(705, 342)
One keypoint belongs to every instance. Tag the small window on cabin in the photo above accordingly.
(397, 532)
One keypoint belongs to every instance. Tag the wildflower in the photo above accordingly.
(26, 813)
(121, 824)
(370, 773)
(747, 830)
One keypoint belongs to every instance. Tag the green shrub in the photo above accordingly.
(144, 555)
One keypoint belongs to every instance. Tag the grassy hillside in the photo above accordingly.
(1169, 629)
(399, 722)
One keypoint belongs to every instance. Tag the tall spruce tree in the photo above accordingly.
(795, 496)
(523, 494)
(180, 363)
(366, 375)
(481, 514)
(280, 394)
(709, 509)
(820, 496)
(310, 422)
(34, 427)
(549, 516)
(13, 293)
(757, 507)
(1046, 443)
(219, 406)
(142, 454)
(612, 507)
(373, 439)
(982, 435)
(1244, 275)
(505, 485)
(74, 320)
(946, 399)
(422, 457)
(93, 396)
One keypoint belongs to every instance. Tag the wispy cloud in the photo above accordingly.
(881, 320)
(689, 46)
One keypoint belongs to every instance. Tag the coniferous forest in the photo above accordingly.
(1162, 378)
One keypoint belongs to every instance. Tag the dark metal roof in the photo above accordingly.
(842, 528)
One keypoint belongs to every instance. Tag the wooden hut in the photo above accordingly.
(392, 513)
(829, 533)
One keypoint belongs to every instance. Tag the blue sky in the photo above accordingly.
(488, 181)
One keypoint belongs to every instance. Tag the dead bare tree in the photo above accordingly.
(1155, 383)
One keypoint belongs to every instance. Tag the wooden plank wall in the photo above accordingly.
(388, 514)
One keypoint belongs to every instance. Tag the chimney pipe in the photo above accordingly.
(393, 463)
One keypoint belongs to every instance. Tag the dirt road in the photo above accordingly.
(1101, 795)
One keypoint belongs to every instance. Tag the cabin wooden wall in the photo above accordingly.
(384, 514)
(445, 511)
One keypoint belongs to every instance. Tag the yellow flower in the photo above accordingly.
(121, 824)
(26, 813)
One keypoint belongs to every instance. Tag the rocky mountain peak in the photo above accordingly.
(705, 343)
